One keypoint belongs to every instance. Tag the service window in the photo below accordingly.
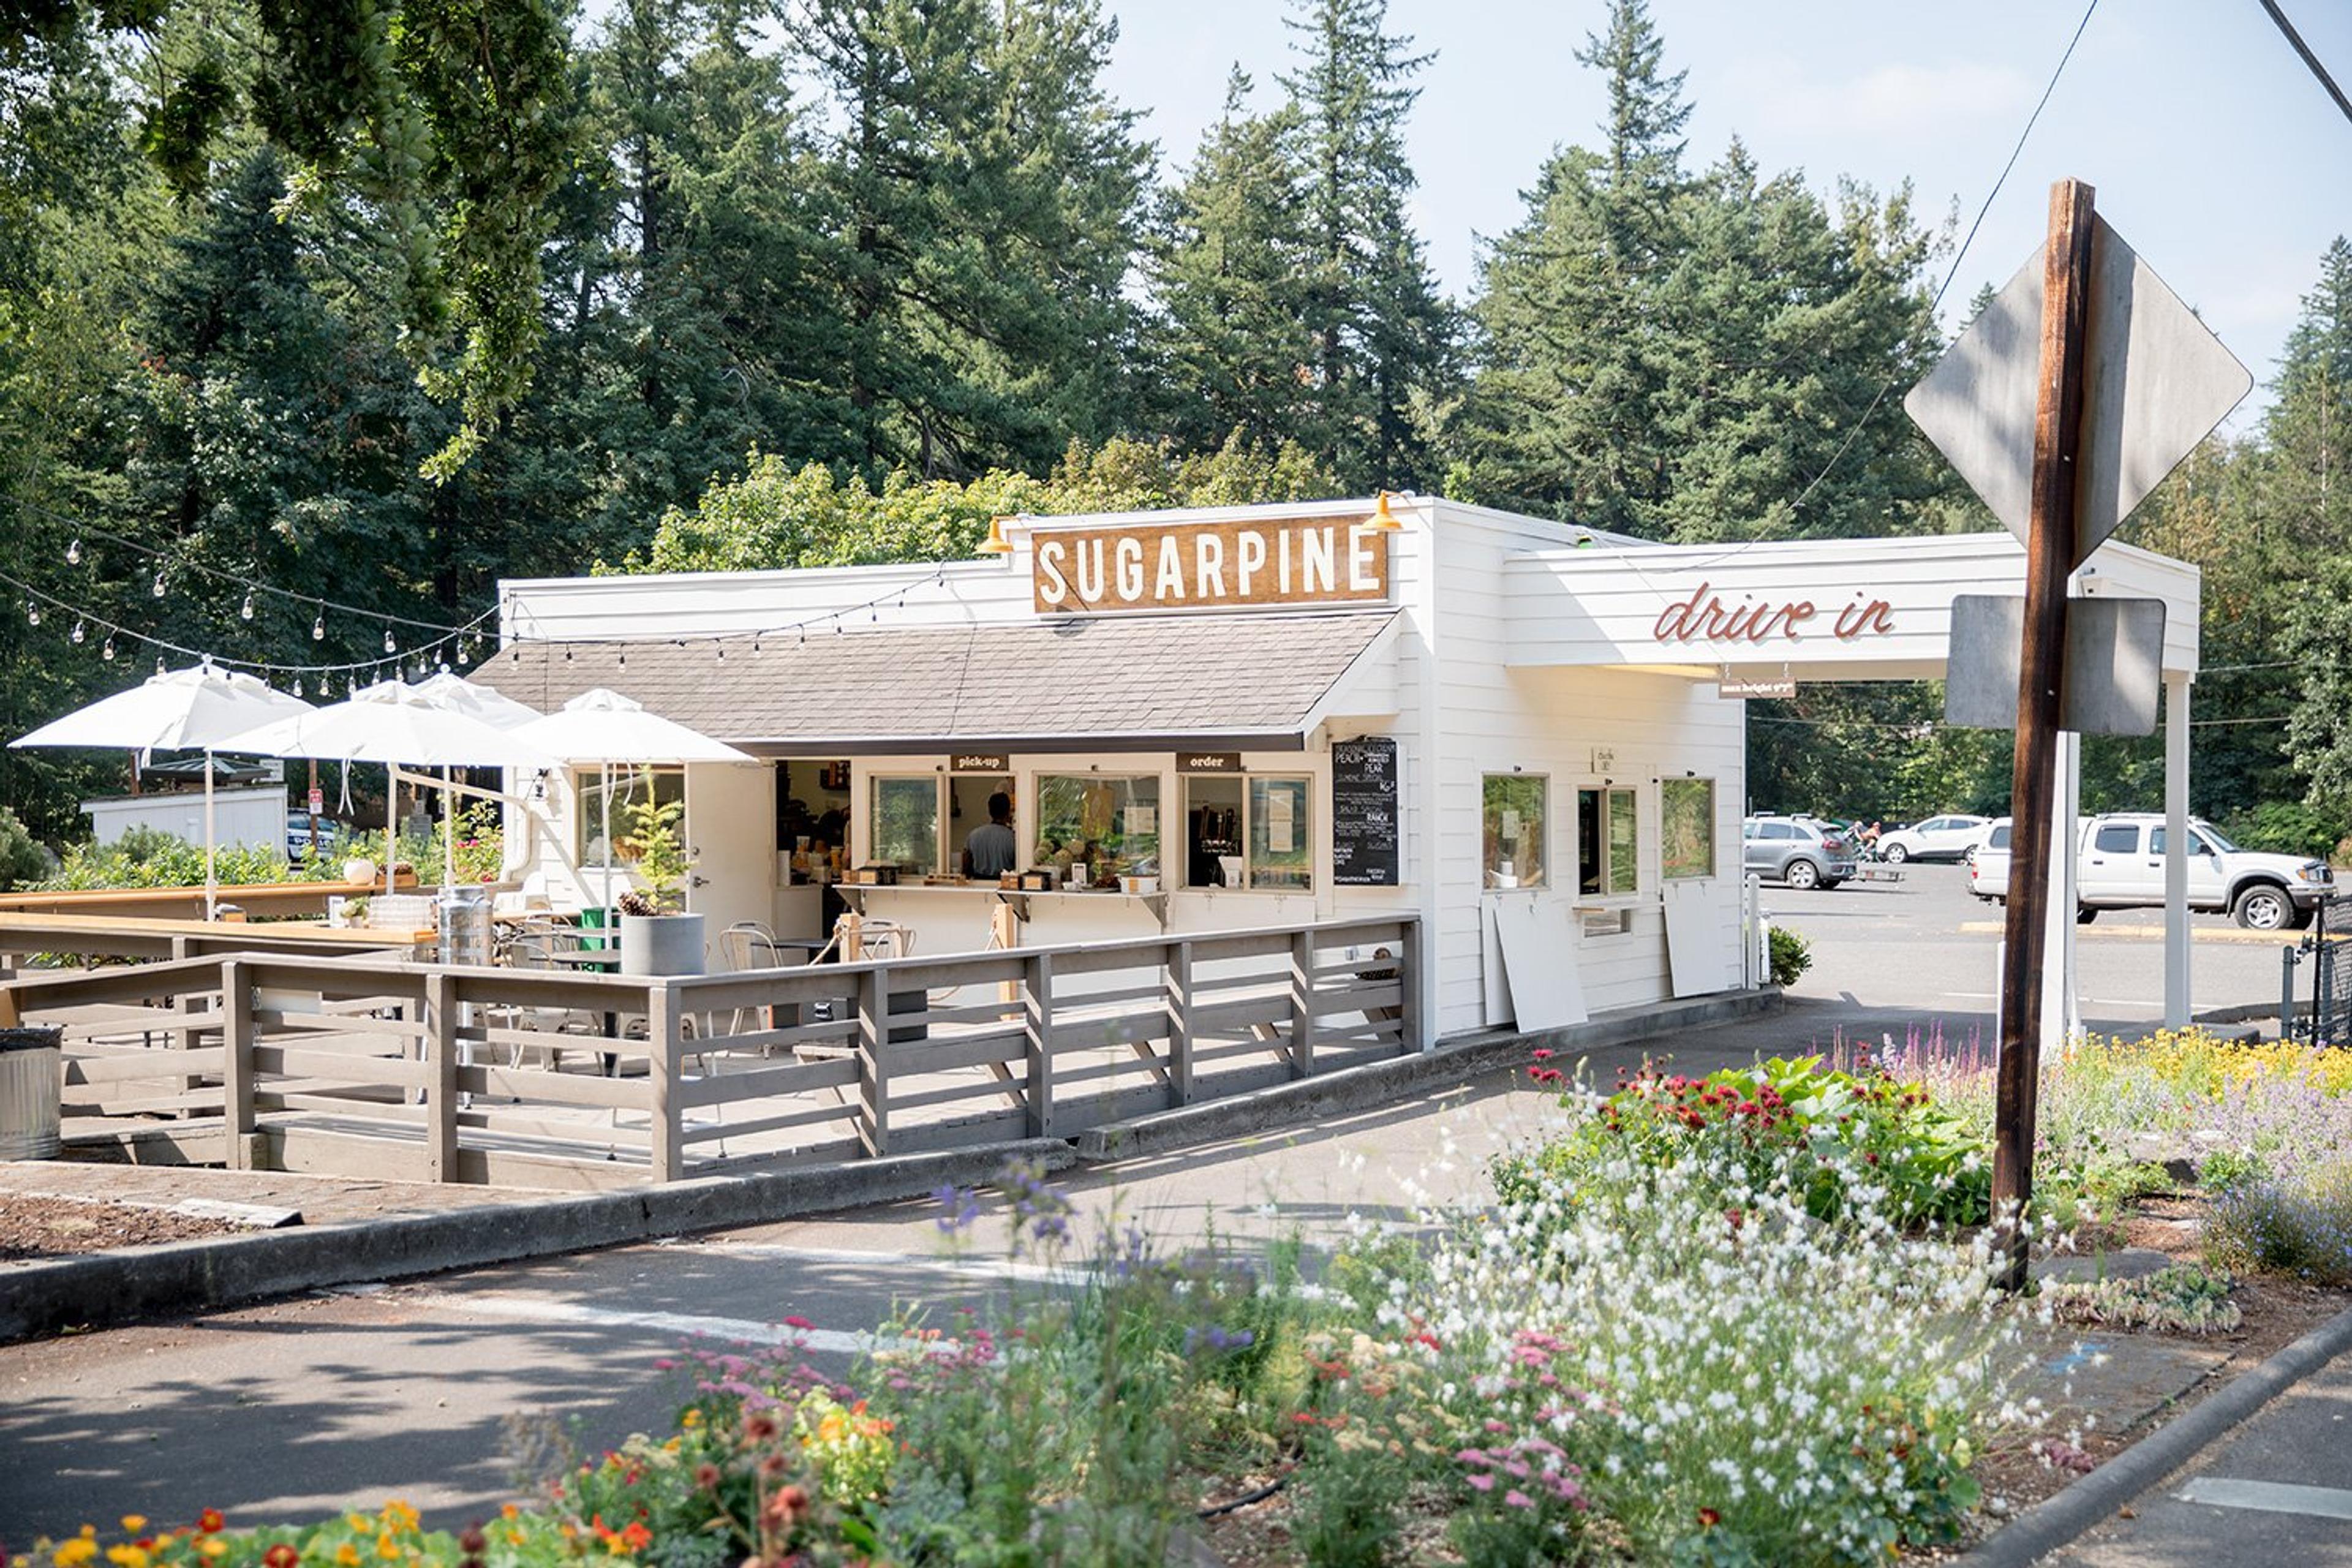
(1107, 823)
(1609, 841)
(2119, 838)
(1685, 828)
(904, 831)
(1250, 833)
(969, 797)
(1516, 817)
(621, 788)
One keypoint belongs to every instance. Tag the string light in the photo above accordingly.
(298, 686)
(73, 553)
(319, 627)
(390, 645)
(79, 634)
(158, 582)
(32, 612)
(108, 649)
(245, 611)
(159, 664)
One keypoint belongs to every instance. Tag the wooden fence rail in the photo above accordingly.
(371, 1066)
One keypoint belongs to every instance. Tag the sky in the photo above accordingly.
(2214, 150)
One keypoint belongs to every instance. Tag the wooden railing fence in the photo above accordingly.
(539, 1079)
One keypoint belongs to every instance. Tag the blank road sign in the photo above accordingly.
(2156, 383)
(2115, 664)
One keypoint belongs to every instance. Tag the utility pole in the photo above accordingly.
(2048, 558)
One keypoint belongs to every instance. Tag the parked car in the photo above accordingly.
(2119, 865)
(1796, 850)
(297, 833)
(1948, 838)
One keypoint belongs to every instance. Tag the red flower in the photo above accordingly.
(1541, 1055)
(1708, 1517)
(280, 1556)
(210, 1523)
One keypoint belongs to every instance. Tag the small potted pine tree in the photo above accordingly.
(657, 936)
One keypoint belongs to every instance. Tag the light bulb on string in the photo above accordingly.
(245, 611)
(32, 613)
(73, 553)
(79, 634)
(298, 686)
(159, 582)
(390, 645)
(159, 664)
(108, 651)
(318, 626)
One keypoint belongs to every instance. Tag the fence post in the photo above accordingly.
(236, 1065)
(1302, 1002)
(873, 1066)
(1179, 1023)
(666, 1129)
(1037, 1026)
(1408, 970)
(439, 1017)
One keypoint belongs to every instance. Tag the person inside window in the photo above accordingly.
(988, 853)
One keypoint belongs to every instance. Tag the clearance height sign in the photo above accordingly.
(1208, 565)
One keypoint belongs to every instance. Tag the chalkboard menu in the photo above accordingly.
(1364, 811)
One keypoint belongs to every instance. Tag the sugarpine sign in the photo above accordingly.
(1208, 565)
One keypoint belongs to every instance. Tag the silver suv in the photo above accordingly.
(1796, 850)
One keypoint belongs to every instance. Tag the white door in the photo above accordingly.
(730, 831)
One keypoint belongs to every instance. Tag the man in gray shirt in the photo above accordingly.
(988, 854)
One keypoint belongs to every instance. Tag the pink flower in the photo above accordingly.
(1482, 1482)
(1517, 1499)
(798, 1323)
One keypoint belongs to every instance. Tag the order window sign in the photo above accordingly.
(1209, 565)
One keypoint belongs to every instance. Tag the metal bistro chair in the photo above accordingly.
(536, 952)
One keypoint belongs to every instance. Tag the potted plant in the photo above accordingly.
(657, 936)
(355, 912)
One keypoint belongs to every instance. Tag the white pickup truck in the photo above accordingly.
(2120, 866)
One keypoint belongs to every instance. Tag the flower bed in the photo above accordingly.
(1741, 1318)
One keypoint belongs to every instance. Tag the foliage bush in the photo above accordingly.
(2286, 827)
(23, 861)
(1792, 955)
(1828, 1134)
(2181, 1300)
(151, 858)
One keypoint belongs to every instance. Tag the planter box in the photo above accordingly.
(661, 945)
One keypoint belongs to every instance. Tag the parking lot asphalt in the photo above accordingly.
(1922, 954)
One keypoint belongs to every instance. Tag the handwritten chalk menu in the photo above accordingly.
(1364, 811)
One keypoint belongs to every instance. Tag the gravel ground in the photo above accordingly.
(34, 1226)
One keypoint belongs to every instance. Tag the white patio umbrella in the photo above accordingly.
(606, 728)
(199, 707)
(393, 724)
(495, 709)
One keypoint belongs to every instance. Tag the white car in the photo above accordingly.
(1949, 837)
(2120, 866)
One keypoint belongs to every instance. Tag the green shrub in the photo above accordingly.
(23, 861)
(2302, 1229)
(2179, 1299)
(1792, 956)
(1798, 1121)
(2285, 827)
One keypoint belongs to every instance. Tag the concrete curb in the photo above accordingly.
(1351, 1089)
(181, 1277)
(2094, 1499)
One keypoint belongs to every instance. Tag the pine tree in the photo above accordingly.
(1381, 333)
(1228, 267)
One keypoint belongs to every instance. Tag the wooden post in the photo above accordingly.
(1037, 1026)
(667, 1128)
(2042, 673)
(439, 1045)
(236, 1065)
(873, 1065)
(1408, 969)
(1302, 1004)
(1179, 1023)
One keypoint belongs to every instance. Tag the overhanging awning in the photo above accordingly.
(1255, 681)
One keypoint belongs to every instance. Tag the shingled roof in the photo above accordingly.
(1113, 683)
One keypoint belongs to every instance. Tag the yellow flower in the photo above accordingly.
(76, 1552)
(399, 1515)
(211, 1546)
(127, 1556)
(348, 1555)
(386, 1546)
(691, 1419)
(358, 1521)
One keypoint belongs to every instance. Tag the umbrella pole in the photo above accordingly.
(604, 801)
(212, 882)
(448, 830)
(391, 822)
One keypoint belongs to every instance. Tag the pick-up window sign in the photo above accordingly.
(979, 763)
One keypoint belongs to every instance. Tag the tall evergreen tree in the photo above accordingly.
(1382, 333)
(1229, 263)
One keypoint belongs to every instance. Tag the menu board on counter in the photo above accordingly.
(1364, 811)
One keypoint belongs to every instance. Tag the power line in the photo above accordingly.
(2309, 58)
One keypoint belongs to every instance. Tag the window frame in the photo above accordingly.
(1040, 856)
(1251, 781)
(1489, 870)
(1714, 850)
(1601, 795)
(875, 778)
(588, 824)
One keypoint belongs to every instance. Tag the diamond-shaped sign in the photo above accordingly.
(2156, 383)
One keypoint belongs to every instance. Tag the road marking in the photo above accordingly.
(685, 1325)
(2147, 934)
(2268, 1497)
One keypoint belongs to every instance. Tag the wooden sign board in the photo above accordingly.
(979, 763)
(1208, 762)
(1208, 565)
